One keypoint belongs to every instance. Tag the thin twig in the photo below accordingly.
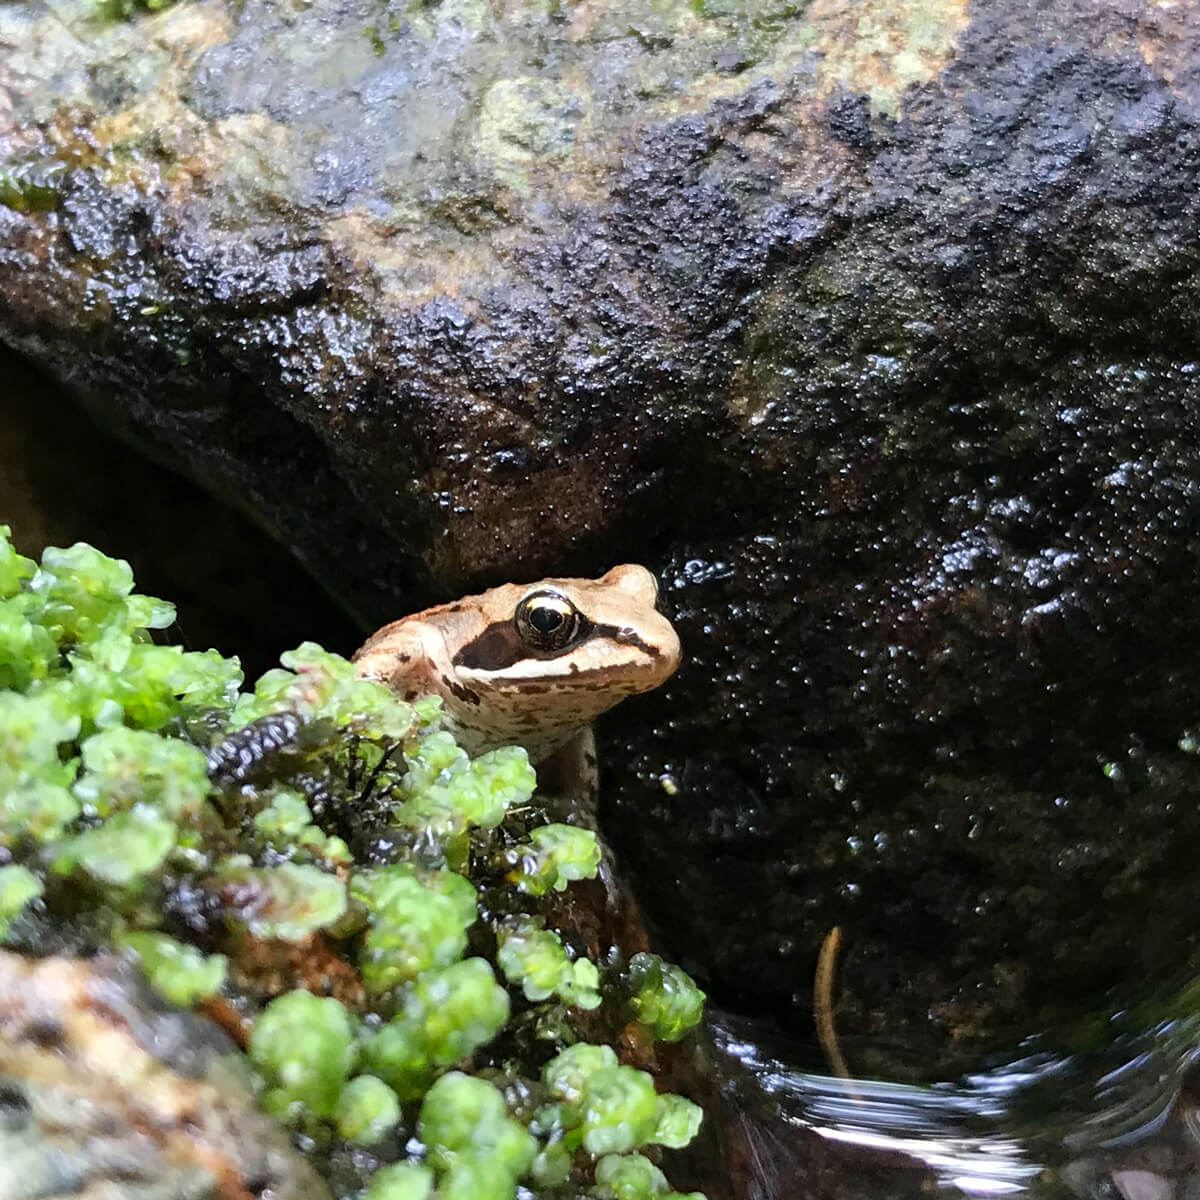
(370, 787)
(823, 1007)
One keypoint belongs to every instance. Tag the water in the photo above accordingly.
(1117, 1121)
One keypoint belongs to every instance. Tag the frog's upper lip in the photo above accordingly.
(569, 673)
(657, 665)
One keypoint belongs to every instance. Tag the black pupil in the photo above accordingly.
(546, 619)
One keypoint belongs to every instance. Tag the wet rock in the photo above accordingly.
(105, 1091)
(65, 478)
(872, 326)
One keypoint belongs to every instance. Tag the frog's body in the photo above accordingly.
(530, 664)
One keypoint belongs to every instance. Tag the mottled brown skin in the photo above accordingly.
(498, 690)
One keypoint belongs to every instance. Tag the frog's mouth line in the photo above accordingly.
(536, 679)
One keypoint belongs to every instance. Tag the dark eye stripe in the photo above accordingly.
(625, 637)
(500, 646)
(497, 647)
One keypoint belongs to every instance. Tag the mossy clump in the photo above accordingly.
(306, 1074)
(18, 886)
(554, 856)
(204, 824)
(178, 972)
(32, 186)
(664, 998)
(445, 1015)
(413, 923)
(536, 959)
(608, 1108)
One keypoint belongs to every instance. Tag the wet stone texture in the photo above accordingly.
(65, 479)
(104, 1092)
(870, 326)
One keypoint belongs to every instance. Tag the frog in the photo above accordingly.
(532, 664)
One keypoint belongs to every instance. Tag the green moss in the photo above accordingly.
(31, 187)
(123, 767)
(126, 10)
(35, 798)
(288, 902)
(319, 686)
(536, 960)
(372, 34)
(566, 1074)
(412, 926)
(447, 792)
(629, 1177)
(551, 1166)
(676, 1121)
(178, 972)
(468, 1133)
(26, 649)
(85, 596)
(319, 810)
(617, 1111)
(664, 998)
(305, 1045)
(367, 1109)
(608, 1108)
(15, 569)
(124, 850)
(444, 1015)
(401, 1181)
(18, 886)
(554, 856)
(633, 1177)
(286, 826)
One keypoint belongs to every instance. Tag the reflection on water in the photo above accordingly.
(922, 1123)
(1121, 1122)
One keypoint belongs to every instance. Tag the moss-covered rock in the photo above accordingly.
(193, 824)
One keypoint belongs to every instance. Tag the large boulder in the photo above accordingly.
(871, 326)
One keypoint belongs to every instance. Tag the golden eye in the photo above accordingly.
(547, 620)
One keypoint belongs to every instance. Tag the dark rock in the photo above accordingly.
(65, 478)
(900, 392)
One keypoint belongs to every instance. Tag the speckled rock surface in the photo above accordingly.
(871, 325)
(104, 1092)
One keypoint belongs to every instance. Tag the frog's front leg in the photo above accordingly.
(572, 771)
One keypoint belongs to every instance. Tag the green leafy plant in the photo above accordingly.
(318, 811)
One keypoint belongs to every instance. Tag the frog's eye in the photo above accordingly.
(547, 620)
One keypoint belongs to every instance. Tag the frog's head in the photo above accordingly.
(550, 657)
(530, 664)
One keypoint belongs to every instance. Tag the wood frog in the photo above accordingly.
(532, 664)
